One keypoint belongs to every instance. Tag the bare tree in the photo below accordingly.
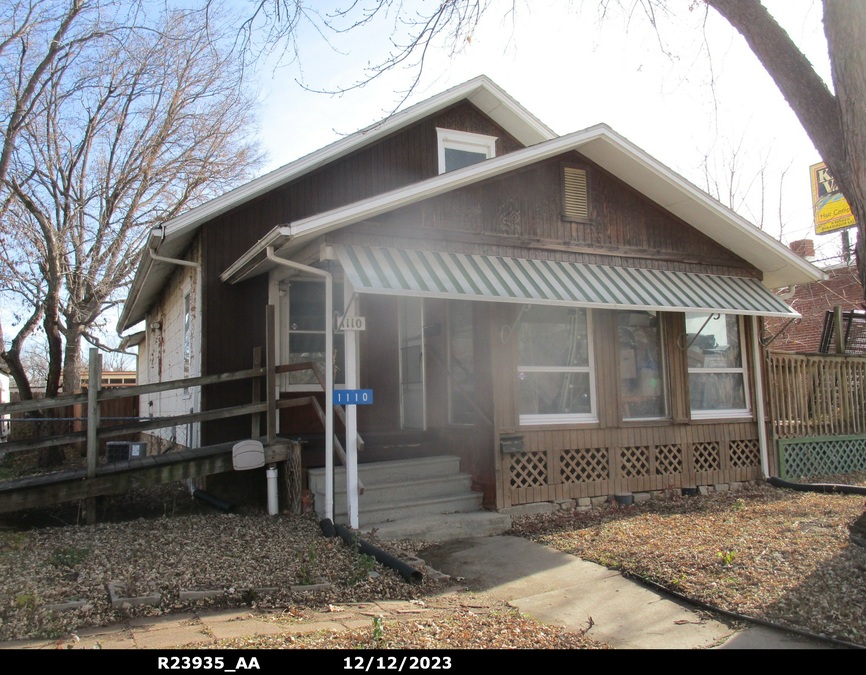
(128, 135)
(834, 120)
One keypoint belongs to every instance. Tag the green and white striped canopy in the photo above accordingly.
(433, 274)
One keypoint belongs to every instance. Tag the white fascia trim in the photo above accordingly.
(275, 238)
(537, 127)
(432, 187)
(696, 194)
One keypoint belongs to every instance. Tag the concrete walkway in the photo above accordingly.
(559, 589)
(552, 587)
(204, 628)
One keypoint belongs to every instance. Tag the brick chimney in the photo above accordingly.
(804, 248)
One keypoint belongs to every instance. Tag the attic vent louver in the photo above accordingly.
(576, 196)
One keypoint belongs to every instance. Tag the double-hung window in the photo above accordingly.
(718, 386)
(556, 378)
(306, 330)
(641, 366)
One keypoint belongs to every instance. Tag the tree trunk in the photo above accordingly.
(836, 124)
(845, 28)
(72, 360)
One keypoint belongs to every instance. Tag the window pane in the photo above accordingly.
(640, 361)
(718, 345)
(553, 336)
(554, 393)
(717, 391)
(457, 159)
(305, 347)
(460, 362)
(307, 306)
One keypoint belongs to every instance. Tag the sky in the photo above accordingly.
(690, 93)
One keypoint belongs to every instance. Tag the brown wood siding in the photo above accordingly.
(233, 316)
(520, 215)
(569, 461)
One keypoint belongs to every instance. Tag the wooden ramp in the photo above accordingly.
(117, 477)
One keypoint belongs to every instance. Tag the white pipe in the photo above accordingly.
(273, 492)
(351, 353)
(329, 372)
(759, 399)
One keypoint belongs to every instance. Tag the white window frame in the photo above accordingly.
(729, 413)
(286, 332)
(568, 418)
(663, 373)
(466, 141)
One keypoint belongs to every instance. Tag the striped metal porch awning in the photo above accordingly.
(433, 274)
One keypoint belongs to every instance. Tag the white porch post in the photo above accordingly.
(759, 396)
(352, 379)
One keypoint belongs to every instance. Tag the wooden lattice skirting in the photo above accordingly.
(800, 457)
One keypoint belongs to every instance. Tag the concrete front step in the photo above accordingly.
(413, 508)
(444, 527)
(401, 489)
(396, 471)
(379, 494)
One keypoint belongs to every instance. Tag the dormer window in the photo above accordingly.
(461, 148)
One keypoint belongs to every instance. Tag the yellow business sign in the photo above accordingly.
(832, 212)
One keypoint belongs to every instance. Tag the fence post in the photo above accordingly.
(271, 379)
(256, 430)
(840, 338)
(94, 382)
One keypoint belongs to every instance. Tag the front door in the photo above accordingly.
(411, 326)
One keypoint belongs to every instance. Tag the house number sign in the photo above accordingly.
(353, 396)
(352, 323)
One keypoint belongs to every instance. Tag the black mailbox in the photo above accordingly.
(511, 443)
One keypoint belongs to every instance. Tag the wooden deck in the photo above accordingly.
(117, 477)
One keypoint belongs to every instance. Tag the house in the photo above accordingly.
(566, 314)
(840, 288)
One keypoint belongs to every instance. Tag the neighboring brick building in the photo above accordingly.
(813, 300)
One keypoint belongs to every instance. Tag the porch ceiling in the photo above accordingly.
(433, 274)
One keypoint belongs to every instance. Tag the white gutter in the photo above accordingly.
(329, 372)
(174, 261)
(759, 398)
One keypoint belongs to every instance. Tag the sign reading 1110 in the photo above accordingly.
(353, 396)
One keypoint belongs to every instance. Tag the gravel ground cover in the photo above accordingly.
(776, 554)
(236, 554)
(485, 625)
(181, 545)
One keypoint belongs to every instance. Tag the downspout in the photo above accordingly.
(329, 372)
(759, 399)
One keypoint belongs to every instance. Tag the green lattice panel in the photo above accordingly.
(799, 457)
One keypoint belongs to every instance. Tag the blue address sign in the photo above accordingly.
(353, 396)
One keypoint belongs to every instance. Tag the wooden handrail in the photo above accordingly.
(124, 392)
(337, 445)
(154, 423)
(337, 408)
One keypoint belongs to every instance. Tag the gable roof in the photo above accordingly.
(174, 236)
(600, 144)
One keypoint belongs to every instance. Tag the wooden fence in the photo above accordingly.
(817, 395)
